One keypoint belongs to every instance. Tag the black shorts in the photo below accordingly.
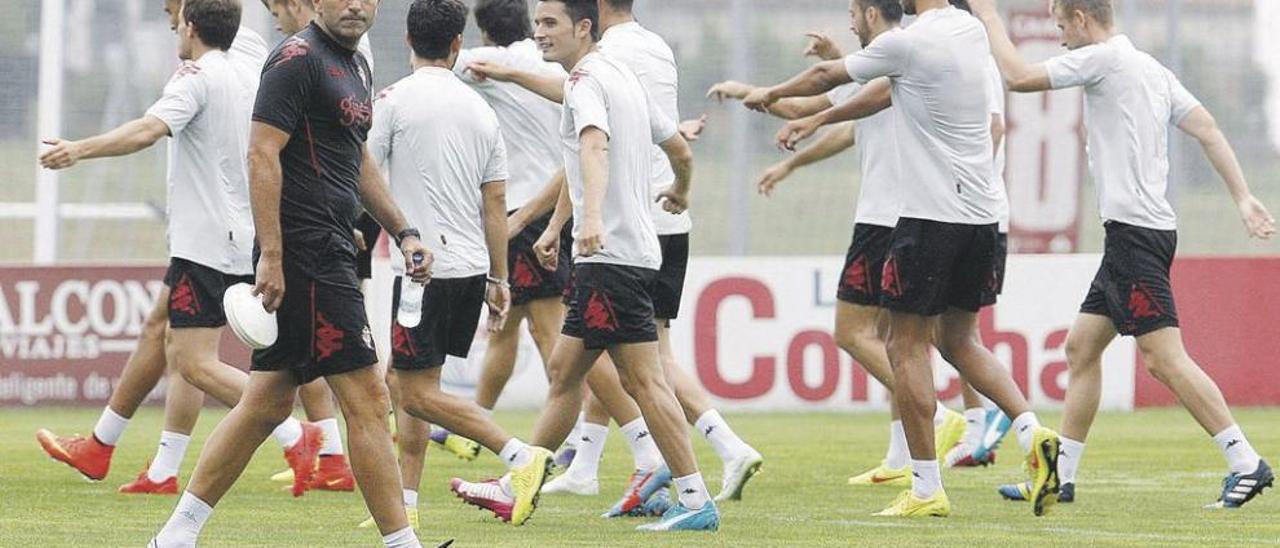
(611, 305)
(933, 266)
(370, 229)
(529, 281)
(1132, 284)
(195, 294)
(323, 330)
(860, 278)
(1002, 261)
(450, 314)
(669, 287)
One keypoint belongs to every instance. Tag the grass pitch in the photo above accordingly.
(1143, 481)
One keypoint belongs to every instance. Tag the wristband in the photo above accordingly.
(497, 282)
(405, 234)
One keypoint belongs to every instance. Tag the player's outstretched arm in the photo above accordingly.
(840, 138)
(376, 198)
(543, 203)
(550, 87)
(1202, 126)
(1019, 75)
(129, 138)
(676, 199)
(815, 80)
(872, 98)
(791, 108)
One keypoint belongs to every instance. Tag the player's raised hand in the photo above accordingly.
(771, 177)
(822, 46)
(269, 282)
(498, 297)
(484, 70)
(729, 89)
(1257, 220)
(759, 99)
(673, 202)
(64, 154)
(547, 248)
(590, 238)
(691, 130)
(797, 130)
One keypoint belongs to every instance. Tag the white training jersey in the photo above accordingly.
(1130, 100)
(247, 54)
(530, 123)
(937, 66)
(878, 200)
(207, 105)
(651, 59)
(438, 153)
(603, 93)
(996, 107)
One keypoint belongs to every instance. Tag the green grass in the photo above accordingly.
(1144, 480)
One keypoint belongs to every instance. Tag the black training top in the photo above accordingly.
(318, 91)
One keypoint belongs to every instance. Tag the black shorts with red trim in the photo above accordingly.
(1132, 285)
(323, 330)
(668, 289)
(529, 281)
(860, 278)
(370, 230)
(195, 294)
(611, 305)
(450, 314)
(933, 266)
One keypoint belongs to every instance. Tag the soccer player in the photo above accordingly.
(448, 169)
(310, 171)
(941, 264)
(1130, 100)
(206, 105)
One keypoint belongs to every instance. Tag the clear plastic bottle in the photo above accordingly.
(409, 310)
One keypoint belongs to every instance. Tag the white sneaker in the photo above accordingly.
(736, 474)
(566, 483)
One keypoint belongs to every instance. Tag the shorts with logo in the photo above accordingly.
(669, 287)
(195, 294)
(529, 281)
(370, 230)
(933, 266)
(450, 314)
(323, 330)
(611, 305)
(1132, 285)
(860, 278)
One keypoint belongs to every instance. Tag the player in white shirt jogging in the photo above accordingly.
(205, 108)
(941, 266)
(1130, 101)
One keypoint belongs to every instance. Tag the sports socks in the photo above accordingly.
(975, 426)
(110, 426)
(726, 443)
(288, 433)
(185, 523)
(898, 456)
(410, 498)
(1069, 453)
(693, 491)
(332, 437)
(169, 455)
(590, 447)
(926, 479)
(403, 538)
(1241, 457)
(1024, 426)
(643, 449)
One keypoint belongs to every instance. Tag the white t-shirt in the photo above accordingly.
(651, 59)
(207, 105)
(438, 153)
(937, 65)
(247, 54)
(878, 200)
(1130, 99)
(530, 123)
(995, 107)
(603, 93)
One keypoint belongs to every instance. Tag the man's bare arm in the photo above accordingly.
(815, 80)
(550, 87)
(1019, 75)
(129, 138)
(540, 205)
(1202, 126)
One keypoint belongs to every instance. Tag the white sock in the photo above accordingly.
(410, 498)
(403, 538)
(693, 491)
(572, 440)
(288, 433)
(505, 483)
(898, 455)
(940, 414)
(487, 412)
(975, 426)
(515, 453)
(1024, 426)
(590, 445)
(1069, 453)
(721, 437)
(643, 449)
(926, 479)
(185, 523)
(173, 446)
(332, 437)
(1240, 454)
(110, 426)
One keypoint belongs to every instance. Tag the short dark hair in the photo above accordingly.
(505, 21)
(583, 9)
(216, 21)
(434, 25)
(890, 10)
(621, 5)
(1100, 10)
(962, 4)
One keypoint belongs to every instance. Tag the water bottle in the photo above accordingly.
(409, 311)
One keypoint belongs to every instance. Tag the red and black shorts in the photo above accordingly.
(933, 266)
(1002, 261)
(323, 330)
(668, 289)
(611, 305)
(195, 294)
(1132, 285)
(529, 281)
(450, 314)
(860, 278)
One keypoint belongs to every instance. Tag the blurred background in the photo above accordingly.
(117, 55)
